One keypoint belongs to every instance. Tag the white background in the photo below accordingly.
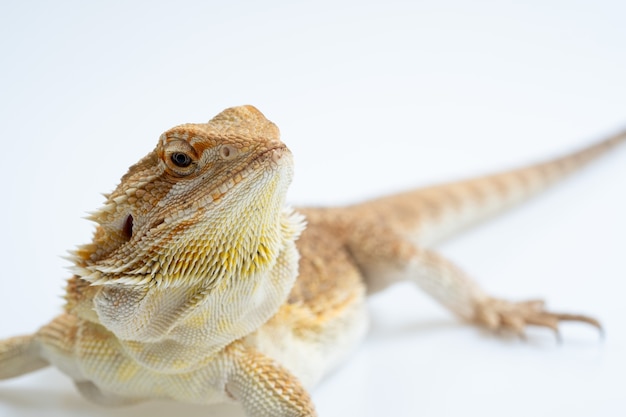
(371, 99)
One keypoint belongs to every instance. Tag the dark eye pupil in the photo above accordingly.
(180, 159)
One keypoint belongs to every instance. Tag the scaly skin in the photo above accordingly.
(200, 286)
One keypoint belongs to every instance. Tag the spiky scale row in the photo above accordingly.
(193, 288)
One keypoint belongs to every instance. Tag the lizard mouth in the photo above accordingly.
(274, 154)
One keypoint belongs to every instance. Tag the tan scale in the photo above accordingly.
(201, 286)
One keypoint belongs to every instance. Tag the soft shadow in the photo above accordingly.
(24, 402)
(542, 337)
(380, 331)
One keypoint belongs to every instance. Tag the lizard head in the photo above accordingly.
(207, 203)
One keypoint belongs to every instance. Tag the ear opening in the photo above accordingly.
(127, 231)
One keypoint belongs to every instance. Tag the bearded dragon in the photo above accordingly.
(202, 286)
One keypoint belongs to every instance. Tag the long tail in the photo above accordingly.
(20, 355)
(429, 215)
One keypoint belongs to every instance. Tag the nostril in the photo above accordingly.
(228, 151)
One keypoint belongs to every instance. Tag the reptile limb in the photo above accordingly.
(202, 286)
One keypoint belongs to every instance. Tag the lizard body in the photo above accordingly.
(201, 286)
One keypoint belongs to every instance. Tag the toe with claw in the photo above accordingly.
(497, 314)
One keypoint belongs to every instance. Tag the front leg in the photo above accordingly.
(264, 388)
(393, 259)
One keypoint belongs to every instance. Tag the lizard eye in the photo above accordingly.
(180, 159)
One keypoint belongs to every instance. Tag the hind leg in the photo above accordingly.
(399, 260)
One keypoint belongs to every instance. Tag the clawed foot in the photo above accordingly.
(498, 314)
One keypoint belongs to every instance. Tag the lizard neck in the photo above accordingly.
(177, 328)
